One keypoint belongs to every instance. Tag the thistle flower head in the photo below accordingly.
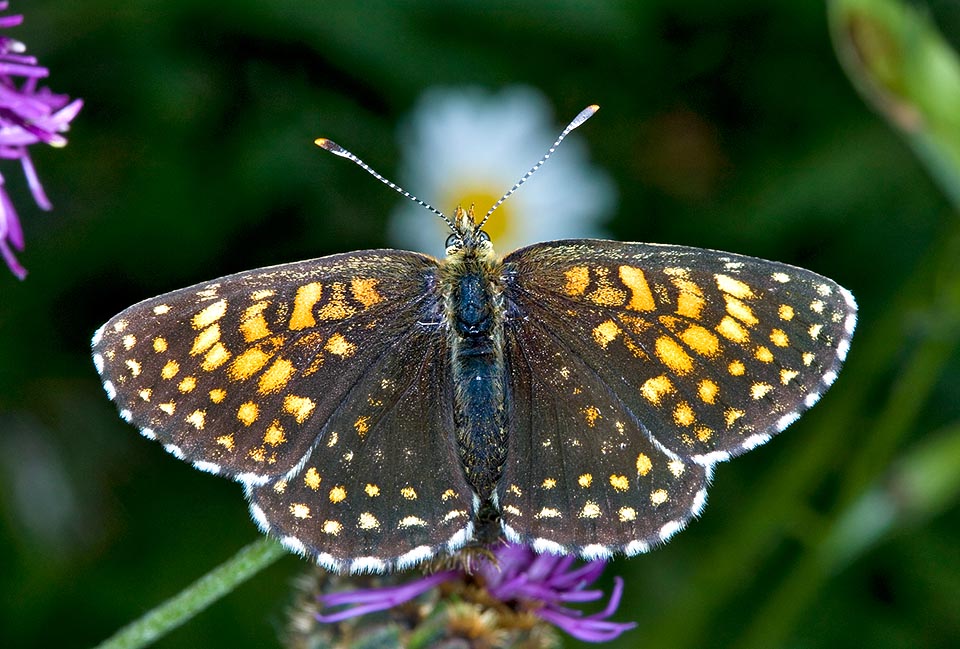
(29, 114)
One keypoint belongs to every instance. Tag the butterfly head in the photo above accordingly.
(467, 239)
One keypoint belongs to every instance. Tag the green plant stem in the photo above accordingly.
(195, 598)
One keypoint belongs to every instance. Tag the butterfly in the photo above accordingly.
(382, 408)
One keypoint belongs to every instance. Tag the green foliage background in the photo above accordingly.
(725, 125)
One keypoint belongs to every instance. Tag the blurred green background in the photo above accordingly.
(724, 125)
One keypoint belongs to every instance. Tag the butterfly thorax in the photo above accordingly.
(473, 308)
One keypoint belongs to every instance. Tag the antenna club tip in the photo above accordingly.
(330, 146)
(593, 108)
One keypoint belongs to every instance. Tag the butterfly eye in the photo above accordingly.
(452, 240)
(483, 237)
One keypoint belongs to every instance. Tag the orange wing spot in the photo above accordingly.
(546, 512)
(411, 521)
(362, 425)
(448, 494)
(217, 395)
(783, 278)
(338, 494)
(134, 367)
(205, 339)
(248, 413)
(654, 389)
(817, 306)
(591, 414)
(226, 441)
(703, 433)
(372, 490)
(605, 332)
(170, 370)
(607, 295)
(312, 478)
(732, 330)
(779, 338)
(333, 528)
(300, 510)
(760, 390)
(409, 493)
(627, 514)
(763, 354)
(248, 363)
(658, 497)
(740, 311)
(307, 296)
(258, 454)
(337, 308)
(515, 490)
(788, 375)
(736, 368)
(253, 325)
(145, 394)
(299, 407)
(159, 345)
(734, 287)
(276, 376)
(197, 419)
(187, 384)
(365, 291)
(217, 356)
(786, 312)
(590, 510)
(209, 315)
(578, 278)
(368, 521)
(644, 464)
(168, 407)
(280, 486)
(701, 340)
(262, 294)
(585, 480)
(683, 414)
(274, 435)
(641, 299)
(619, 482)
(549, 483)
(731, 415)
(129, 341)
(162, 309)
(676, 467)
(673, 356)
(808, 358)
(340, 346)
(690, 300)
(120, 325)
(815, 330)
(708, 391)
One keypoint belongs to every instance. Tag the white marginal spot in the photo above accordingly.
(109, 389)
(786, 420)
(126, 415)
(699, 502)
(546, 546)
(294, 545)
(98, 362)
(708, 459)
(669, 529)
(511, 534)
(811, 399)
(850, 324)
(148, 433)
(97, 337)
(367, 565)
(413, 557)
(325, 560)
(842, 349)
(829, 378)
(461, 538)
(636, 547)
(754, 441)
(209, 467)
(174, 450)
(595, 551)
(250, 480)
(259, 518)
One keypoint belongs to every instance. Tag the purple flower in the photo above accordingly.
(28, 115)
(523, 581)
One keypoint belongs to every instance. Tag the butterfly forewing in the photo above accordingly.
(699, 355)
(254, 374)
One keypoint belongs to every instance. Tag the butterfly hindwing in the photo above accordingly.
(699, 355)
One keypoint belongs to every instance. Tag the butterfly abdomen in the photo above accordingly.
(475, 328)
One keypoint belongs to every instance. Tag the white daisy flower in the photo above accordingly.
(464, 146)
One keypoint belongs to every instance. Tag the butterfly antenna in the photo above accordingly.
(336, 149)
(583, 116)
